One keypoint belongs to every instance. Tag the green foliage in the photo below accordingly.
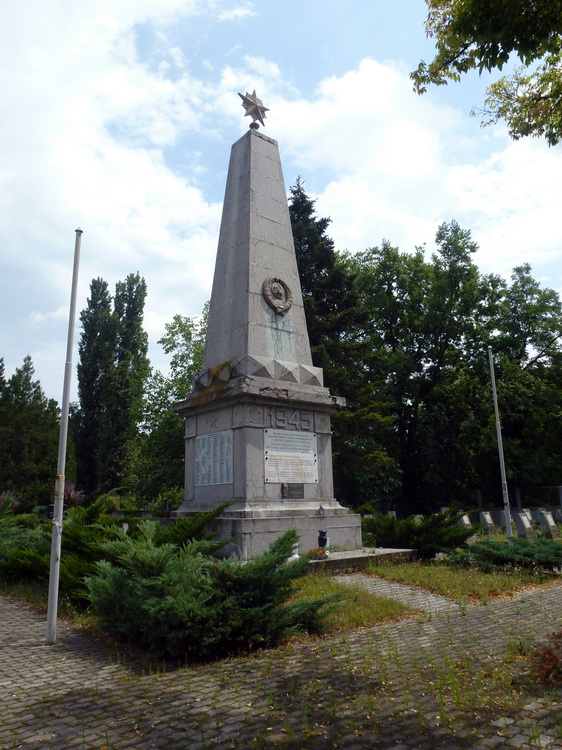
(482, 34)
(161, 455)
(530, 104)
(167, 500)
(430, 323)
(429, 535)
(404, 340)
(112, 371)
(419, 316)
(336, 322)
(88, 533)
(517, 553)
(194, 528)
(29, 434)
(179, 602)
(25, 543)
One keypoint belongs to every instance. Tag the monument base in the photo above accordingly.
(254, 530)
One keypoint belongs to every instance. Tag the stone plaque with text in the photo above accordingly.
(290, 456)
(213, 458)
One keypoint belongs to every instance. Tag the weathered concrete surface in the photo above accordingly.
(435, 682)
(255, 242)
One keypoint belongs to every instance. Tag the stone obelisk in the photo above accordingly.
(257, 423)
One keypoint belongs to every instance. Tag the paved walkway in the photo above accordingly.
(437, 680)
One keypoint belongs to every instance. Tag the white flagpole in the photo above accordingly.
(59, 481)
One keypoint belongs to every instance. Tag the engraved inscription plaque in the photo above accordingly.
(213, 458)
(290, 456)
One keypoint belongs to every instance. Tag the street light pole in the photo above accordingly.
(507, 511)
(59, 481)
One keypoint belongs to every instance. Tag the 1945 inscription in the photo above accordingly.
(286, 418)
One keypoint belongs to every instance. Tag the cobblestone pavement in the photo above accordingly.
(446, 679)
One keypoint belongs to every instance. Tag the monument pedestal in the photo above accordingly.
(257, 423)
(268, 449)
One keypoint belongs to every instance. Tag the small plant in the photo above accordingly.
(548, 661)
(316, 554)
(168, 500)
(9, 503)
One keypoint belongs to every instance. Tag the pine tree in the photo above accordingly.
(336, 323)
(29, 431)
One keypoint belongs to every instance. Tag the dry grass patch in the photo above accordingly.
(459, 583)
(353, 606)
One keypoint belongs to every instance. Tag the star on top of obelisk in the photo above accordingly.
(254, 108)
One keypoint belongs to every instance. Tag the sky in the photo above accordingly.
(118, 117)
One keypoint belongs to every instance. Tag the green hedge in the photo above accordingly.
(439, 532)
(178, 602)
(489, 554)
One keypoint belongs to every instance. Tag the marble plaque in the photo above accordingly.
(290, 456)
(213, 458)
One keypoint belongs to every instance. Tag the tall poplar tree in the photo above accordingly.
(112, 372)
(96, 353)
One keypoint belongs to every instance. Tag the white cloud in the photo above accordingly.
(91, 123)
(61, 313)
(398, 165)
(82, 145)
(236, 14)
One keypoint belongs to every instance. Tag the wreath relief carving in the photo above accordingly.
(277, 295)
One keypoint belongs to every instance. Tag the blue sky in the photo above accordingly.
(119, 116)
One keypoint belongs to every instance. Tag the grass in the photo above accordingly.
(355, 608)
(36, 594)
(460, 584)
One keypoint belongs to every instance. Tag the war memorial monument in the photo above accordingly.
(257, 422)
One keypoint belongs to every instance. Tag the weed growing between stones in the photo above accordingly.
(547, 666)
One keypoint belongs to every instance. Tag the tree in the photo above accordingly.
(483, 34)
(162, 446)
(112, 372)
(421, 314)
(96, 353)
(327, 289)
(29, 432)
(335, 322)
(528, 351)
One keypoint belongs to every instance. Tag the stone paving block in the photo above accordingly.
(382, 667)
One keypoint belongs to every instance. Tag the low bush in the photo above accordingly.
(489, 554)
(25, 543)
(429, 535)
(179, 602)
